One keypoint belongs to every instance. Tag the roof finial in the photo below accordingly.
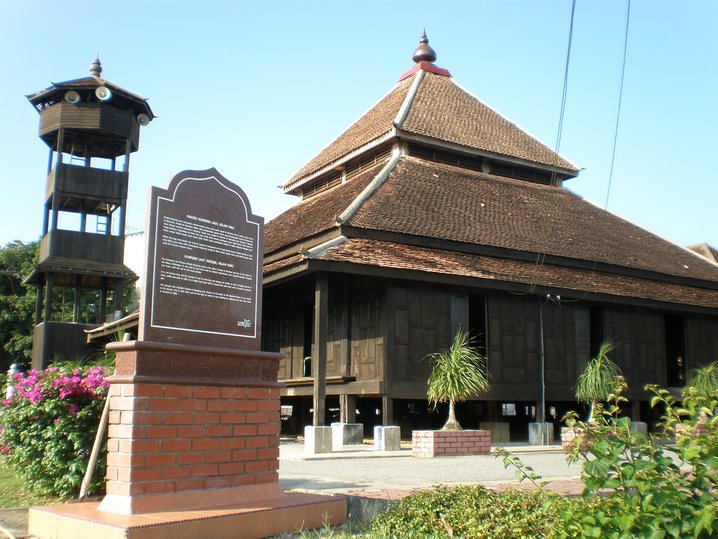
(95, 67)
(424, 53)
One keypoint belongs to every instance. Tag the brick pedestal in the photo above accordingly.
(193, 451)
(179, 446)
(435, 443)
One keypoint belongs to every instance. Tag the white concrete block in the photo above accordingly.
(387, 438)
(317, 440)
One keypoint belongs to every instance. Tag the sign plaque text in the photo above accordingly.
(204, 263)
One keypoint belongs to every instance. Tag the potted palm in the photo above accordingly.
(598, 380)
(702, 381)
(457, 374)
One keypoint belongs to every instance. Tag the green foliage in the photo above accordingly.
(704, 379)
(49, 426)
(647, 488)
(457, 374)
(17, 302)
(521, 470)
(13, 492)
(469, 511)
(598, 379)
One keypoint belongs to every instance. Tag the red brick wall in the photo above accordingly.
(166, 438)
(434, 443)
(568, 435)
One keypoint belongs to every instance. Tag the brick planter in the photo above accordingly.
(568, 435)
(436, 443)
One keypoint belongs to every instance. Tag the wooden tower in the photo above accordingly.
(91, 127)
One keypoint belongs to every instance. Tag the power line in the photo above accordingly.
(620, 100)
(565, 80)
(541, 256)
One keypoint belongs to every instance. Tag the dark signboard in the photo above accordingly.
(204, 262)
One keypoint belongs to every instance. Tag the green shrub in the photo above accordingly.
(649, 489)
(49, 426)
(469, 511)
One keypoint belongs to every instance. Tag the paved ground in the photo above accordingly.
(362, 473)
(359, 468)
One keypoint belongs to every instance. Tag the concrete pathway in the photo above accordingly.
(360, 468)
(369, 478)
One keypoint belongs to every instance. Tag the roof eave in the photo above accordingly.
(296, 186)
(415, 137)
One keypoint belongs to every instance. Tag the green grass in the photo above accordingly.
(14, 494)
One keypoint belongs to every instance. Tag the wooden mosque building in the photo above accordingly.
(432, 212)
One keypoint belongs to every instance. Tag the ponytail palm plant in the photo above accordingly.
(457, 374)
(598, 380)
(704, 379)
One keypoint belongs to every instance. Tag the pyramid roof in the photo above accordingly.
(427, 105)
(404, 213)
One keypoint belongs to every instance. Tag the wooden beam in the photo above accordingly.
(319, 350)
(347, 408)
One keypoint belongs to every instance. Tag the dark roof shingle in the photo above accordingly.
(426, 199)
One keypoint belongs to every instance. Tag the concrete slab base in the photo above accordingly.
(540, 433)
(387, 438)
(317, 440)
(290, 513)
(346, 434)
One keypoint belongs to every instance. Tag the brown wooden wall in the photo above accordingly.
(640, 342)
(513, 352)
(283, 329)
(381, 330)
(420, 319)
(367, 329)
(701, 340)
(566, 347)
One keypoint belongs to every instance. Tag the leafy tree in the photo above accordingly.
(17, 302)
(457, 374)
(598, 380)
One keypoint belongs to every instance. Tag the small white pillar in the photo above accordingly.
(387, 438)
(317, 440)
(540, 433)
(347, 434)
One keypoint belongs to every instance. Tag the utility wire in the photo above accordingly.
(620, 100)
(541, 256)
(565, 80)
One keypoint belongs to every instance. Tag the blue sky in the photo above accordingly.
(256, 89)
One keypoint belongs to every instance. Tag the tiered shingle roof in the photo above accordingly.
(409, 214)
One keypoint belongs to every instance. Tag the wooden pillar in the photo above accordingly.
(345, 349)
(491, 411)
(387, 410)
(347, 408)
(636, 410)
(39, 298)
(103, 302)
(77, 296)
(45, 355)
(319, 350)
